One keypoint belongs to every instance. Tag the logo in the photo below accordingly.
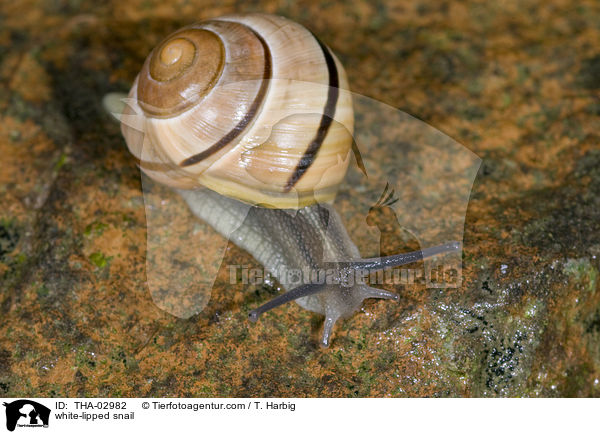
(26, 413)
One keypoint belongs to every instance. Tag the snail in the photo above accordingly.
(250, 119)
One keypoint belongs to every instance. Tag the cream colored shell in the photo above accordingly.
(284, 91)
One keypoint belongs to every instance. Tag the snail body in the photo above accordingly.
(249, 119)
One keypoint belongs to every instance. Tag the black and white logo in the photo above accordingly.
(26, 413)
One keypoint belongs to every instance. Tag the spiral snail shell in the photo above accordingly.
(252, 106)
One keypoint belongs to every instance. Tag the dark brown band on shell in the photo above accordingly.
(328, 113)
(248, 117)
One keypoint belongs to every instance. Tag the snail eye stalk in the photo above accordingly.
(299, 292)
(374, 264)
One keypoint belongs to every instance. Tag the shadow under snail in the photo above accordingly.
(257, 110)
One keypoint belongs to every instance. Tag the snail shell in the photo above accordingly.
(254, 107)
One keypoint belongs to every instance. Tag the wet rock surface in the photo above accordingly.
(517, 84)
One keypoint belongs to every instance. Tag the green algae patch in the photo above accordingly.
(98, 259)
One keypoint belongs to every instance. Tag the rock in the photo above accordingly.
(520, 92)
